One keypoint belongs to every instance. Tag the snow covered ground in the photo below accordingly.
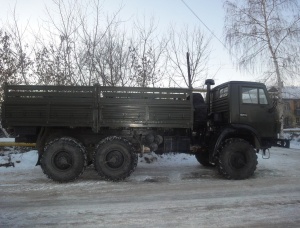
(171, 191)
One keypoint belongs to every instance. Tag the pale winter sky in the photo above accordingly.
(166, 12)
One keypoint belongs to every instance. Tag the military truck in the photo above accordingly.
(74, 126)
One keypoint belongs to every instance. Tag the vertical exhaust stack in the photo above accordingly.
(209, 83)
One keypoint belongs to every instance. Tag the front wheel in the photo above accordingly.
(237, 159)
(115, 158)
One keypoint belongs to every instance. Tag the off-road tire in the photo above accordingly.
(64, 159)
(203, 159)
(115, 158)
(237, 159)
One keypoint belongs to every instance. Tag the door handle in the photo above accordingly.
(243, 115)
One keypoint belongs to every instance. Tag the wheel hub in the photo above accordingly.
(238, 160)
(114, 159)
(63, 160)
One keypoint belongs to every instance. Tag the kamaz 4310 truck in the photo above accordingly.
(74, 126)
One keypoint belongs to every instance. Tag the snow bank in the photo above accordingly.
(28, 159)
(166, 159)
(7, 139)
(21, 161)
(293, 135)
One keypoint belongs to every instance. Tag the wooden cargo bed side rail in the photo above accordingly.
(75, 92)
(144, 93)
(39, 105)
(145, 107)
(12, 92)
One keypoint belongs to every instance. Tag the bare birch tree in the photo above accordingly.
(197, 44)
(264, 35)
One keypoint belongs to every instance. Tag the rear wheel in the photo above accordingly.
(64, 159)
(237, 159)
(115, 158)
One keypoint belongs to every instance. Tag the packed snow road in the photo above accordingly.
(174, 191)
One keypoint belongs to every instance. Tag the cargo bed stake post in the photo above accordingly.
(96, 111)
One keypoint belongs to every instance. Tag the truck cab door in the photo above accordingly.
(255, 110)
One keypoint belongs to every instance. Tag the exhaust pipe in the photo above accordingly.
(209, 83)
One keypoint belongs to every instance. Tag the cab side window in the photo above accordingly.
(262, 97)
(253, 96)
(249, 95)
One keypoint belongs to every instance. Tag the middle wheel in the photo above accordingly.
(115, 158)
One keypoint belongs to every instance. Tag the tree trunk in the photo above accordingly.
(280, 106)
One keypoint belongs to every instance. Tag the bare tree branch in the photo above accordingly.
(194, 42)
(262, 36)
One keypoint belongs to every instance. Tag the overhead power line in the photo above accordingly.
(190, 9)
(202, 22)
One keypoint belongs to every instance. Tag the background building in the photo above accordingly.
(291, 98)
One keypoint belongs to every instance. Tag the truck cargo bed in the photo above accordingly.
(95, 107)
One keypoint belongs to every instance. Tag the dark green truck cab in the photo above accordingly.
(246, 106)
